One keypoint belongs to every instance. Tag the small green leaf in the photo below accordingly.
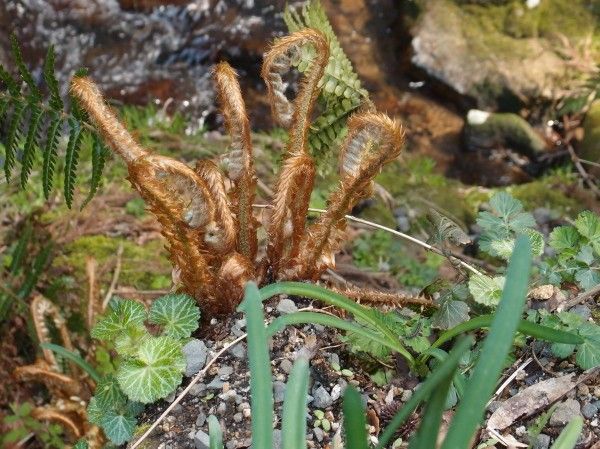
(449, 314)
(81, 444)
(155, 372)
(177, 314)
(109, 394)
(588, 225)
(562, 350)
(588, 353)
(564, 238)
(124, 313)
(585, 255)
(587, 278)
(118, 427)
(486, 290)
(95, 412)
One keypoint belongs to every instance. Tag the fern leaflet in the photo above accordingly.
(99, 155)
(72, 159)
(31, 142)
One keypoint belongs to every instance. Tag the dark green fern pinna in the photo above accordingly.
(33, 124)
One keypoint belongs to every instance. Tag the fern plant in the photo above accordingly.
(342, 92)
(35, 125)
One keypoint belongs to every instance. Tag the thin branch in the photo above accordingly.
(427, 246)
(115, 278)
(584, 174)
(181, 395)
(581, 297)
(585, 161)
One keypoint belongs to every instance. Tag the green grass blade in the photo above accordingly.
(50, 153)
(71, 160)
(569, 435)
(426, 436)
(327, 320)
(354, 420)
(215, 433)
(441, 372)
(261, 382)
(337, 300)
(293, 428)
(99, 155)
(495, 349)
(31, 143)
(55, 102)
(73, 357)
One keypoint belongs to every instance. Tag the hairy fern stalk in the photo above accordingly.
(34, 127)
(206, 214)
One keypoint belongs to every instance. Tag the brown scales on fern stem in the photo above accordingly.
(209, 224)
(384, 298)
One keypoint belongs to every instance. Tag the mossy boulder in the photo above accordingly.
(502, 53)
(484, 130)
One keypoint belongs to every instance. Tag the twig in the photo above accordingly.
(581, 297)
(185, 391)
(90, 267)
(115, 278)
(593, 164)
(509, 379)
(584, 174)
(397, 233)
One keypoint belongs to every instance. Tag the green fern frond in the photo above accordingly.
(34, 122)
(99, 155)
(342, 91)
(72, 159)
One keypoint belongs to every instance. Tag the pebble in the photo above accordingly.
(201, 419)
(229, 395)
(565, 412)
(286, 305)
(195, 352)
(222, 408)
(215, 384)
(589, 410)
(238, 417)
(239, 351)
(583, 390)
(171, 397)
(225, 371)
(202, 440)
(406, 395)
(318, 433)
(334, 359)
(278, 391)
(494, 405)
(582, 310)
(520, 431)
(336, 392)
(542, 442)
(286, 366)
(197, 389)
(321, 398)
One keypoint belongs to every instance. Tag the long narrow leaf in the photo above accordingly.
(569, 435)
(55, 102)
(51, 153)
(20, 250)
(39, 263)
(215, 433)
(72, 159)
(261, 383)
(99, 155)
(426, 436)
(12, 137)
(441, 372)
(293, 428)
(31, 143)
(495, 349)
(354, 420)
(337, 300)
(73, 357)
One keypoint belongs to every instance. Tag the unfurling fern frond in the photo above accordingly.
(34, 123)
(342, 91)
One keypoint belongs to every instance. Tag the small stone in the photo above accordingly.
(238, 417)
(202, 440)
(201, 419)
(225, 371)
(215, 384)
(334, 359)
(229, 395)
(321, 398)
(583, 390)
(494, 405)
(247, 412)
(520, 431)
(222, 408)
(406, 395)
(195, 352)
(318, 433)
(582, 310)
(565, 412)
(589, 410)
(278, 391)
(239, 351)
(171, 397)
(336, 392)
(542, 442)
(241, 323)
(597, 392)
(286, 366)
(197, 389)
(286, 305)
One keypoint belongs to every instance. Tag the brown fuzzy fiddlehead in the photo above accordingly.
(296, 178)
(372, 141)
(240, 167)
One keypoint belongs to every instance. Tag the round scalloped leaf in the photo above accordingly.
(108, 394)
(177, 314)
(588, 353)
(118, 427)
(155, 372)
(450, 313)
(123, 313)
(486, 290)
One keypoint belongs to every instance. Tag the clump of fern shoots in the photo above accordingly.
(35, 125)
(206, 215)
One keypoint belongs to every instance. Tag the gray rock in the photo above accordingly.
(221, 408)
(201, 419)
(542, 442)
(336, 392)
(286, 305)
(197, 389)
(589, 410)
(225, 371)
(321, 398)
(286, 366)
(406, 395)
(565, 412)
(278, 391)
(334, 359)
(239, 351)
(319, 434)
(195, 352)
(215, 384)
(229, 395)
(202, 440)
(582, 310)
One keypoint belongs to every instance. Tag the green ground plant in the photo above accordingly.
(22, 424)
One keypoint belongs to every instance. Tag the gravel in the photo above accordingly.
(278, 391)
(321, 398)
(195, 352)
(542, 442)
(565, 412)
(201, 440)
(589, 410)
(287, 306)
